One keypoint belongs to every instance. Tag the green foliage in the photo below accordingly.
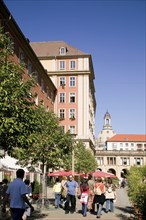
(84, 159)
(51, 145)
(137, 188)
(17, 122)
(36, 187)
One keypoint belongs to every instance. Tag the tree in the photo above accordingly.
(84, 159)
(51, 146)
(137, 189)
(17, 118)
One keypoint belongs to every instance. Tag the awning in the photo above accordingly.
(11, 164)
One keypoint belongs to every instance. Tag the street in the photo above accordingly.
(123, 210)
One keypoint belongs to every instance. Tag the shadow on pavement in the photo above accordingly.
(125, 217)
(37, 215)
(127, 210)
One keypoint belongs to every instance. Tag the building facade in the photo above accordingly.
(106, 133)
(119, 152)
(45, 90)
(71, 70)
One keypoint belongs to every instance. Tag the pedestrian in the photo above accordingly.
(110, 195)
(90, 205)
(17, 192)
(63, 188)
(72, 192)
(29, 196)
(99, 197)
(84, 188)
(4, 187)
(57, 191)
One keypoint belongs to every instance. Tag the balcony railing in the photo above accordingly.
(119, 153)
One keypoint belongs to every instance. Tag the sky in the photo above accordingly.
(113, 32)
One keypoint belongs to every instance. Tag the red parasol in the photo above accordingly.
(63, 173)
(99, 173)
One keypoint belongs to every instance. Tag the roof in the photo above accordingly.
(128, 138)
(52, 48)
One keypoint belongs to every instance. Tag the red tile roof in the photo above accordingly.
(128, 138)
(52, 48)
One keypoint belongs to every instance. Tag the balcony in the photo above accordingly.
(120, 153)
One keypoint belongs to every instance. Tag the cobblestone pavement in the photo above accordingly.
(123, 210)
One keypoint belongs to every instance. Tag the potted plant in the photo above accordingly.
(36, 190)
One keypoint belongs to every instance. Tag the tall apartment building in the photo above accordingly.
(71, 70)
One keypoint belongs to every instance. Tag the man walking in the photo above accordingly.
(72, 191)
(17, 192)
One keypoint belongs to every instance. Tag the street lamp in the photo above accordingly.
(73, 154)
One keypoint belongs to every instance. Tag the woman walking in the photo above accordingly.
(57, 190)
(110, 195)
(90, 205)
(99, 197)
(84, 188)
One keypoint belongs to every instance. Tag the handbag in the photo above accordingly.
(84, 198)
(63, 193)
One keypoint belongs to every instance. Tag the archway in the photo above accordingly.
(124, 172)
(111, 170)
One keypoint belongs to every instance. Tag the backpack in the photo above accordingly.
(97, 191)
(109, 189)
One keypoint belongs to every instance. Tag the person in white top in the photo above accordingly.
(57, 189)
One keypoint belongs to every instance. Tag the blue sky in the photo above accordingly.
(113, 32)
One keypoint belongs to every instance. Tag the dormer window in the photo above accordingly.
(63, 50)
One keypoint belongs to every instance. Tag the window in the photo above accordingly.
(47, 91)
(139, 147)
(72, 81)
(62, 65)
(107, 121)
(36, 99)
(21, 56)
(72, 97)
(72, 113)
(62, 113)
(47, 109)
(138, 161)
(125, 160)
(72, 64)
(62, 81)
(144, 147)
(36, 76)
(52, 97)
(62, 97)
(111, 160)
(62, 50)
(42, 84)
(29, 66)
(100, 160)
(72, 129)
(114, 146)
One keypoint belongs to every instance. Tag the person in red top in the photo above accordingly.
(84, 187)
(99, 197)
